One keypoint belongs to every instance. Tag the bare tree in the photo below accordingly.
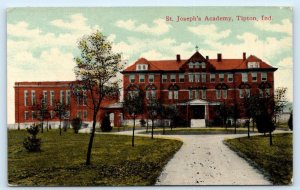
(153, 110)
(169, 112)
(96, 69)
(133, 105)
(61, 110)
(280, 102)
(42, 110)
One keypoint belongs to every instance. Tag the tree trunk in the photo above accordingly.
(133, 131)
(253, 125)
(248, 130)
(60, 127)
(271, 141)
(89, 151)
(163, 129)
(147, 126)
(42, 127)
(152, 128)
(47, 125)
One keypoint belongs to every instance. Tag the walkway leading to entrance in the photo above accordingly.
(205, 160)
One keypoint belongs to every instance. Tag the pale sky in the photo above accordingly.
(41, 42)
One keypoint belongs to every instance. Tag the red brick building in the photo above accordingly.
(28, 94)
(196, 86)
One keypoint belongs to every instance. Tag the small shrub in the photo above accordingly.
(105, 125)
(264, 123)
(76, 124)
(143, 123)
(31, 143)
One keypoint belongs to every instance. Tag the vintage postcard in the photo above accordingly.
(150, 96)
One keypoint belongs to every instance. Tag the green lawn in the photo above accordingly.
(61, 162)
(198, 131)
(275, 161)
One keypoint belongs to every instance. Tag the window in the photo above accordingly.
(175, 94)
(132, 78)
(191, 94)
(203, 94)
(196, 93)
(51, 97)
(84, 99)
(218, 94)
(203, 77)
(191, 65)
(212, 77)
(254, 77)
(181, 77)
(197, 65)
(191, 77)
(268, 92)
(85, 114)
(142, 78)
(62, 96)
(44, 99)
(33, 98)
(26, 98)
(151, 78)
(164, 78)
(173, 77)
(247, 92)
(241, 93)
(203, 65)
(221, 77)
(26, 115)
(261, 93)
(263, 76)
(229, 77)
(141, 67)
(253, 65)
(197, 77)
(79, 114)
(224, 94)
(244, 77)
(151, 93)
(170, 94)
(68, 98)
(33, 114)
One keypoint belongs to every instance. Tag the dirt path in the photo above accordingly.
(205, 160)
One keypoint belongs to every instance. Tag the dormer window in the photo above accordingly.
(253, 65)
(203, 65)
(141, 67)
(191, 65)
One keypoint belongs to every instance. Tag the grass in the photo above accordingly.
(198, 131)
(275, 161)
(61, 161)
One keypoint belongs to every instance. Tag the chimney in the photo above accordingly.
(219, 57)
(207, 58)
(244, 56)
(178, 58)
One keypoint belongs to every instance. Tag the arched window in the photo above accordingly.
(173, 92)
(150, 91)
(132, 90)
(244, 90)
(221, 91)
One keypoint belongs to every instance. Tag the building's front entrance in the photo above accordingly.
(198, 112)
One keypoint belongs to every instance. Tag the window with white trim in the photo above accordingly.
(132, 78)
(164, 78)
(62, 96)
(203, 77)
(45, 96)
(175, 94)
(254, 76)
(181, 77)
(85, 114)
(191, 77)
(264, 76)
(196, 94)
(141, 78)
(142, 67)
(212, 78)
(191, 65)
(151, 78)
(173, 77)
(33, 98)
(26, 116)
(244, 77)
(170, 94)
(197, 65)
(218, 94)
(26, 98)
(68, 97)
(203, 94)
(230, 77)
(197, 77)
(224, 92)
(221, 77)
(203, 65)
(190, 94)
(52, 98)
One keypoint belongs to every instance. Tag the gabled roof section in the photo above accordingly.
(222, 65)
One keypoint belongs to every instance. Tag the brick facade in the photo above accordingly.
(178, 82)
(26, 93)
